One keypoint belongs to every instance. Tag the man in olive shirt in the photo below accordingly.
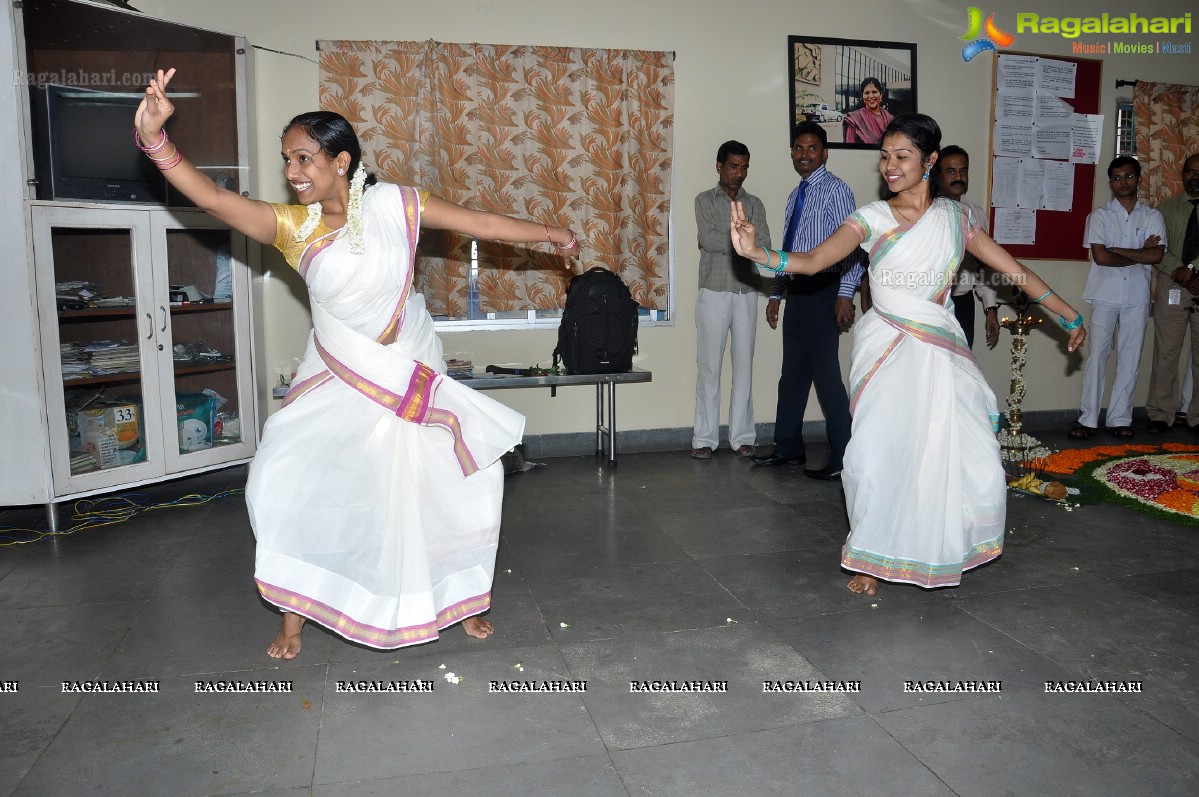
(1173, 311)
(727, 304)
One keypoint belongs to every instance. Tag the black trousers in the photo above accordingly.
(810, 342)
(963, 308)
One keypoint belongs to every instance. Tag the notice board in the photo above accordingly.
(1058, 233)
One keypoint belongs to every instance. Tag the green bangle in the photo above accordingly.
(767, 263)
(1069, 325)
(1046, 295)
(783, 257)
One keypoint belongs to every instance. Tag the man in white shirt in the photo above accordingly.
(953, 178)
(1126, 240)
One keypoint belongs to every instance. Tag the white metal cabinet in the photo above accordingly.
(139, 253)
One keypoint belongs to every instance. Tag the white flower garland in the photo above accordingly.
(353, 215)
(354, 211)
(310, 223)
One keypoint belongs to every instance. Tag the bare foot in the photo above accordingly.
(287, 643)
(477, 627)
(863, 585)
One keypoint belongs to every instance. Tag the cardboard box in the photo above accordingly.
(112, 432)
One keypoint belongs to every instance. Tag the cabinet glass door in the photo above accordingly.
(99, 325)
(208, 356)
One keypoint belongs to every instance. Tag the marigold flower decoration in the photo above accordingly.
(1068, 462)
(1158, 483)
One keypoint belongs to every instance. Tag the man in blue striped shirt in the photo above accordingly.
(819, 308)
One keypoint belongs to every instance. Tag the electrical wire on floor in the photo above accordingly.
(96, 513)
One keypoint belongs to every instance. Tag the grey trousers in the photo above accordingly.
(1170, 324)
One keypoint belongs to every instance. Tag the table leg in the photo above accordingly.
(52, 516)
(599, 419)
(612, 424)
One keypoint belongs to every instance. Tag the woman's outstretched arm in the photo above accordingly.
(441, 214)
(834, 249)
(253, 218)
(985, 249)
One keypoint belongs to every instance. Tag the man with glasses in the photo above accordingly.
(1174, 305)
(1126, 239)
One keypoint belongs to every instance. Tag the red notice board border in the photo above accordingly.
(1059, 233)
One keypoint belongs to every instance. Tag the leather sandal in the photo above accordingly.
(701, 453)
(1080, 432)
(1120, 431)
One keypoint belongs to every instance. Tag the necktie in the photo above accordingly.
(788, 241)
(1190, 241)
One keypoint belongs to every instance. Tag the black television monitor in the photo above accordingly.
(88, 149)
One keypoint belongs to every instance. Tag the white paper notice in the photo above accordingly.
(1015, 106)
(1013, 139)
(1086, 136)
(1005, 175)
(1052, 109)
(1032, 184)
(1051, 141)
(1015, 226)
(1017, 72)
(1056, 77)
(1059, 186)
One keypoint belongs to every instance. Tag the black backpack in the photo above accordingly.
(598, 333)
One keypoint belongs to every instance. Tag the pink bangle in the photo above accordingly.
(162, 141)
(574, 241)
(547, 233)
(169, 163)
(174, 151)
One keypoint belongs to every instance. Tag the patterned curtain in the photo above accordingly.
(1167, 129)
(576, 137)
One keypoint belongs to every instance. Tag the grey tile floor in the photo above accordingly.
(668, 568)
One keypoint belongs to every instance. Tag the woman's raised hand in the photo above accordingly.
(742, 230)
(155, 108)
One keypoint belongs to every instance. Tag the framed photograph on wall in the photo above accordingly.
(850, 87)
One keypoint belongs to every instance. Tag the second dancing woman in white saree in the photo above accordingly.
(924, 485)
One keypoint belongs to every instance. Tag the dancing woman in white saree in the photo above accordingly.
(375, 493)
(924, 486)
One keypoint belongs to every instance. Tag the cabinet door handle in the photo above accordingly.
(150, 321)
(164, 318)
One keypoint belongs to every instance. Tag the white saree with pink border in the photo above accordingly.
(923, 480)
(375, 494)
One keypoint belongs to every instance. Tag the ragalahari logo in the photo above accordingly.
(994, 36)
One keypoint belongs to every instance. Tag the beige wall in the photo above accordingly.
(730, 75)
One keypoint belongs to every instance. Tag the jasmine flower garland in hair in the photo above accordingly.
(354, 211)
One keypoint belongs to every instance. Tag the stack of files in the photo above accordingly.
(75, 361)
(76, 289)
(79, 294)
(97, 358)
(115, 359)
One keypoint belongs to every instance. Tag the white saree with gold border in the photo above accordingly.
(375, 494)
(923, 481)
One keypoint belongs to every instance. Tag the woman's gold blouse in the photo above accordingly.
(289, 218)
